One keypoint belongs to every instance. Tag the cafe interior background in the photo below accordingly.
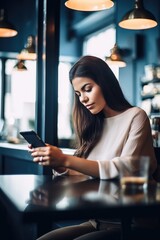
(35, 92)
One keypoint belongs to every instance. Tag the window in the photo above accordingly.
(20, 100)
(100, 43)
(20, 95)
(64, 102)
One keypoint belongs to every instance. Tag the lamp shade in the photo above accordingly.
(139, 18)
(89, 5)
(6, 28)
(29, 51)
(115, 57)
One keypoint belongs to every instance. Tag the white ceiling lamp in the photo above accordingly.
(138, 18)
(89, 5)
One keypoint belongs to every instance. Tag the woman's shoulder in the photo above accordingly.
(139, 116)
(130, 114)
(135, 114)
(137, 111)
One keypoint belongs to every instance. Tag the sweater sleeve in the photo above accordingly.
(107, 169)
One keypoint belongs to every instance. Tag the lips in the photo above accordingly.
(89, 106)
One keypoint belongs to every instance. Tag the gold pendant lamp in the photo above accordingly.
(20, 66)
(139, 18)
(6, 28)
(115, 57)
(29, 51)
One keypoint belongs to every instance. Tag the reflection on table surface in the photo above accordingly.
(69, 192)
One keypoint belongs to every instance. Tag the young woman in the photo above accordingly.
(107, 127)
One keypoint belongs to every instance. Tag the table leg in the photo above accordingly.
(126, 228)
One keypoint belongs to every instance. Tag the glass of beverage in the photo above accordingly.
(134, 171)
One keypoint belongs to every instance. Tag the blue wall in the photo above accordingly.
(143, 44)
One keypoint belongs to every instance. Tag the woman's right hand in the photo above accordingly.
(57, 169)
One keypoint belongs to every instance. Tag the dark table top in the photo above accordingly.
(41, 200)
(74, 197)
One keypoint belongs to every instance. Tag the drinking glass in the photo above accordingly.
(134, 171)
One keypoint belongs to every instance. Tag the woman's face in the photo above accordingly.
(89, 93)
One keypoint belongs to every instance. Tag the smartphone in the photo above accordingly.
(32, 138)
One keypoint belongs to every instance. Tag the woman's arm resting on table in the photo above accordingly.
(55, 158)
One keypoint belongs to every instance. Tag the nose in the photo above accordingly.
(83, 98)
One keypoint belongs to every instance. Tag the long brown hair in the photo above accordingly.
(89, 127)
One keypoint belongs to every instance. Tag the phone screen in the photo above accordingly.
(32, 138)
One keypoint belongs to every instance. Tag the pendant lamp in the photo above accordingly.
(20, 66)
(115, 57)
(6, 28)
(89, 5)
(139, 18)
(29, 51)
